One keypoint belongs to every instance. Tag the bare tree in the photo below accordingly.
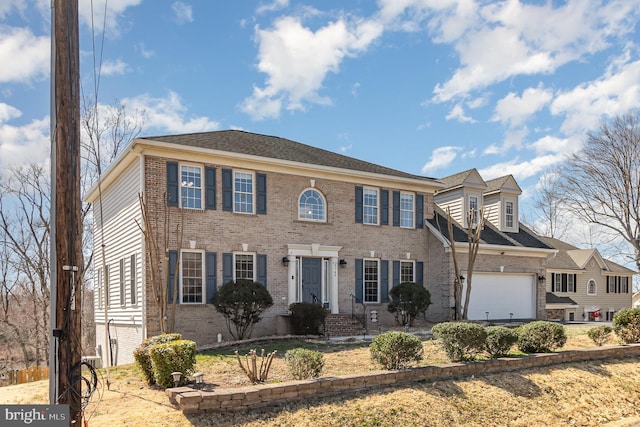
(601, 183)
(550, 205)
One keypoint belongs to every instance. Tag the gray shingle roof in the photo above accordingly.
(552, 298)
(242, 142)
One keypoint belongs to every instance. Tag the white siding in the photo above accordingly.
(117, 217)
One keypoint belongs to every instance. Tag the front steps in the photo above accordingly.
(342, 325)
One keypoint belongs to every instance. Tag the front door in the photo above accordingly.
(312, 280)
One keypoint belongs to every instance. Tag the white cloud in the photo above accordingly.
(169, 114)
(521, 169)
(514, 110)
(457, 113)
(273, 6)
(146, 53)
(183, 12)
(615, 93)
(7, 112)
(491, 149)
(297, 59)
(108, 18)
(114, 67)
(440, 158)
(23, 55)
(552, 144)
(6, 6)
(23, 144)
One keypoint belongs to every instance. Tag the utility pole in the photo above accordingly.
(66, 225)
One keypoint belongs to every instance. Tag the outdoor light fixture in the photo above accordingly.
(176, 377)
(487, 313)
(510, 317)
(343, 262)
(461, 278)
(198, 378)
(285, 261)
(541, 278)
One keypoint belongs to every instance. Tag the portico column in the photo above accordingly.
(333, 286)
(291, 279)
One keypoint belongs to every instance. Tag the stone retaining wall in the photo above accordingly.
(237, 399)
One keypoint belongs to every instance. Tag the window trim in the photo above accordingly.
(123, 296)
(324, 205)
(100, 287)
(235, 172)
(183, 184)
(475, 210)
(413, 209)
(133, 284)
(364, 280)
(413, 269)
(202, 277)
(107, 278)
(509, 216)
(365, 206)
(595, 287)
(254, 262)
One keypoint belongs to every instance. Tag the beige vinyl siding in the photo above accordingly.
(120, 211)
(493, 209)
(454, 202)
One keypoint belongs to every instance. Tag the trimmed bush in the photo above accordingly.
(600, 334)
(499, 341)
(460, 340)
(626, 324)
(304, 363)
(143, 359)
(541, 337)
(173, 356)
(306, 318)
(241, 303)
(396, 350)
(407, 300)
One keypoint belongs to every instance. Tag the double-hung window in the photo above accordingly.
(243, 192)
(563, 282)
(244, 266)
(508, 214)
(192, 278)
(407, 271)
(617, 285)
(407, 210)
(370, 206)
(371, 280)
(473, 209)
(191, 187)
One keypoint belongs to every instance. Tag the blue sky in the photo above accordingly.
(430, 87)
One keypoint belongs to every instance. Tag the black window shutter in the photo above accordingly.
(396, 209)
(359, 291)
(419, 211)
(172, 183)
(173, 260)
(211, 275)
(227, 190)
(575, 283)
(384, 207)
(261, 193)
(358, 205)
(395, 273)
(261, 260)
(210, 188)
(384, 281)
(419, 273)
(227, 268)
(553, 282)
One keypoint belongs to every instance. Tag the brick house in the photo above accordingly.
(309, 224)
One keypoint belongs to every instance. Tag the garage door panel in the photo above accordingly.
(500, 295)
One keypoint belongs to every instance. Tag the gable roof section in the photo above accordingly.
(552, 298)
(505, 184)
(253, 144)
(490, 235)
(570, 257)
(468, 178)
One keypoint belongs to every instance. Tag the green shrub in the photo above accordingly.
(626, 324)
(499, 341)
(304, 363)
(143, 359)
(241, 303)
(460, 340)
(396, 350)
(600, 334)
(541, 337)
(173, 356)
(407, 300)
(306, 318)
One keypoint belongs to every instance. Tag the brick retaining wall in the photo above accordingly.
(237, 399)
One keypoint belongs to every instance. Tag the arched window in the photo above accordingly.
(312, 206)
(592, 287)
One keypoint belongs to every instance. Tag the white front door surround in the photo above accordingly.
(295, 250)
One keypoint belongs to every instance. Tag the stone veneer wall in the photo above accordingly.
(238, 399)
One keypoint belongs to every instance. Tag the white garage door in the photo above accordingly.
(501, 294)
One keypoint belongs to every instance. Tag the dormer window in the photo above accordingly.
(508, 214)
(473, 208)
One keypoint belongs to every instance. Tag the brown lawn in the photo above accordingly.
(595, 393)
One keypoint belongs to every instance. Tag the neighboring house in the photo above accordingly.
(309, 224)
(636, 300)
(581, 285)
(507, 281)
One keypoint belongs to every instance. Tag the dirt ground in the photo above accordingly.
(595, 393)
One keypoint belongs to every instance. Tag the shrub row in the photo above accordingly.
(159, 356)
(464, 340)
